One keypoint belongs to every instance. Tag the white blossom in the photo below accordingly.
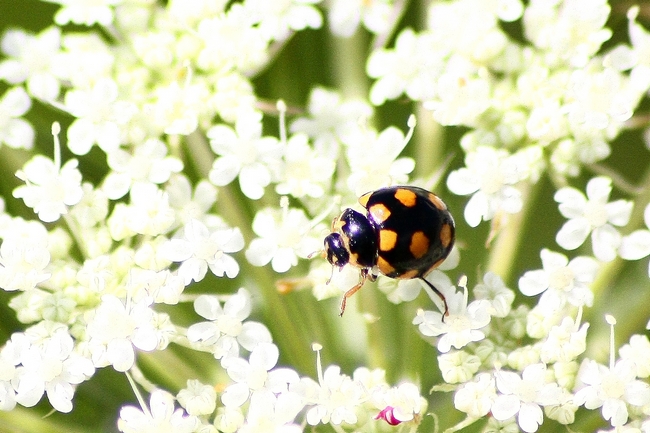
(524, 395)
(16, 132)
(462, 326)
(345, 16)
(199, 249)
(490, 176)
(331, 120)
(476, 397)
(33, 60)
(148, 163)
(306, 173)
(636, 245)
(284, 235)
(638, 351)
(23, 265)
(160, 416)
(49, 188)
(611, 389)
(561, 280)
(593, 215)
(374, 159)
(99, 116)
(257, 375)
(277, 19)
(244, 152)
(226, 329)
(49, 365)
(197, 398)
(333, 399)
(115, 330)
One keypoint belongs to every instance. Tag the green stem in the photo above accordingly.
(506, 244)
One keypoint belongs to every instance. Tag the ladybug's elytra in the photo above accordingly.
(406, 233)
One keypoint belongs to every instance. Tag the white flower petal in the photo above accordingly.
(635, 246)
(573, 233)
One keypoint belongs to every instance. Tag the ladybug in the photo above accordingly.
(406, 233)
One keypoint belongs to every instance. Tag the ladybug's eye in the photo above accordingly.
(335, 250)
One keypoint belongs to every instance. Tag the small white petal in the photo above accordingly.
(635, 246)
(573, 233)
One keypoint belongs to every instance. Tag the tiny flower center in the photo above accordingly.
(257, 378)
(612, 386)
(492, 181)
(596, 214)
(561, 279)
(528, 392)
(51, 368)
(229, 325)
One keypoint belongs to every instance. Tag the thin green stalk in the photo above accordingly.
(505, 246)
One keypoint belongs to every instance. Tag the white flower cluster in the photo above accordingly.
(176, 185)
(554, 103)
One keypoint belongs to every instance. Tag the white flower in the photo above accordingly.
(257, 375)
(246, 49)
(638, 351)
(490, 175)
(411, 68)
(330, 120)
(561, 280)
(636, 245)
(306, 172)
(476, 398)
(374, 159)
(33, 59)
(272, 413)
(523, 395)
(495, 291)
(84, 12)
(160, 416)
(463, 324)
(564, 342)
(114, 330)
(197, 399)
(345, 16)
(226, 329)
(85, 58)
(333, 399)
(398, 290)
(458, 366)
(148, 214)
(148, 163)
(92, 208)
(244, 153)
(278, 18)
(199, 248)
(402, 404)
(176, 107)
(49, 188)
(14, 131)
(192, 205)
(99, 116)
(611, 388)
(592, 214)
(23, 265)
(571, 31)
(49, 365)
(284, 235)
(9, 359)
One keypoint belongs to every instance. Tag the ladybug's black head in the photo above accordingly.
(336, 252)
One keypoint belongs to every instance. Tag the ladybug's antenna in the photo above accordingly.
(442, 297)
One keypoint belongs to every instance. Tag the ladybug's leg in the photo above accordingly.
(354, 289)
(437, 292)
